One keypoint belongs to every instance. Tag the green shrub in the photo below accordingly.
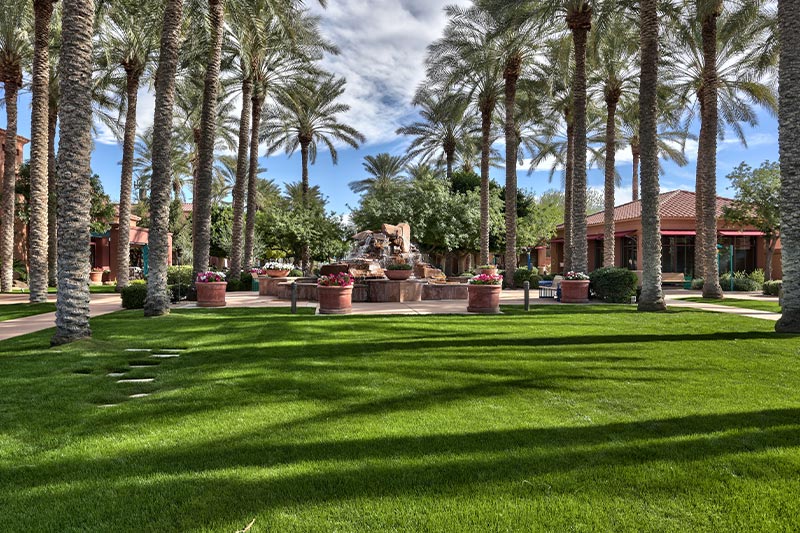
(548, 277)
(179, 274)
(742, 282)
(521, 275)
(535, 279)
(234, 285)
(697, 284)
(178, 291)
(296, 273)
(758, 276)
(612, 284)
(399, 266)
(246, 280)
(773, 288)
(134, 295)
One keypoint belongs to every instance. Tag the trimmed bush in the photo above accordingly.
(697, 284)
(247, 281)
(234, 285)
(773, 288)
(134, 295)
(521, 275)
(742, 282)
(179, 274)
(296, 273)
(178, 291)
(535, 279)
(612, 284)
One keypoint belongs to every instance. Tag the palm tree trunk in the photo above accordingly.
(157, 302)
(569, 173)
(126, 182)
(580, 22)
(707, 162)
(74, 169)
(789, 126)
(612, 98)
(304, 160)
(252, 182)
(40, 100)
(486, 132)
(450, 157)
(511, 75)
(52, 226)
(9, 183)
(240, 187)
(208, 136)
(652, 298)
(635, 154)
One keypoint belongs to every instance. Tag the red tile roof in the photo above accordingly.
(674, 204)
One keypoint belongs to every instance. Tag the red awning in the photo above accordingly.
(678, 232)
(746, 233)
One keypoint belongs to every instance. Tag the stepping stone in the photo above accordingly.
(165, 355)
(136, 380)
(138, 350)
(172, 350)
(115, 374)
(107, 405)
(141, 395)
(143, 366)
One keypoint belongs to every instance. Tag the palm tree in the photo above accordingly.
(201, 214)
(467, 55)
(305, 117)
(730, 69)
(384, 170)
(789, 21)
(39, 196)
(15, 51)
(74, 157)
(128, 41)
(445, 120)
(52, 122)
(157, 302)
(180, 170)
(652, 298)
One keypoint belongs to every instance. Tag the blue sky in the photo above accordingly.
(383, 48)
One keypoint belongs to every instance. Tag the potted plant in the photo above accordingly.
(335, 294)
(277, 270)
(489, 270)
(399, 271)
(484, 294)
(96, 275)
(575, 288)
(210, 289)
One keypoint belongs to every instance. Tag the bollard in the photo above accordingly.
(294, 298)
(527, 287)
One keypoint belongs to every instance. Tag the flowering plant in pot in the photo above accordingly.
(277, 270)
(210, 287)
(488, 269)
(575, 288)
(484, 294)
(96, 275)
(335, 294)
(399, 271)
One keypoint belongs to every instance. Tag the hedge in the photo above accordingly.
(773, 288)
(613, 284)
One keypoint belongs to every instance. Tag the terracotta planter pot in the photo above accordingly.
(278, 273)
(335, 300)
(211, 294)
(575, 291)
(96, 277)
(398, 275)
(491, 271)
(484, 299)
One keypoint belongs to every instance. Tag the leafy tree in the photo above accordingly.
(757, 203)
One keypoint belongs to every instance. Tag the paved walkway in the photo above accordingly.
(100, 304)
(674, 299)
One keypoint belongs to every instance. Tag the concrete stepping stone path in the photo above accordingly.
(136, 380)
(140, 395)
(165, 355)
(138, 350)
(115, 374)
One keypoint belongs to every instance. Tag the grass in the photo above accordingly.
(21, 310)
(588, 418)
(757, 305)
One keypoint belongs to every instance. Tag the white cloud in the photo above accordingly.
(145, 107)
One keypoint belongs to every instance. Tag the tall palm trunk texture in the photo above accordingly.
(579, 22)
(9, 196)
(789, 127)
(486, 130)
(39, 196)
(635, 155)
(252, 182)
(511, 75)
(652, 298)
(157, 302)
(52, 225)
(304, 144)
(240, 186)
(74, 169)
(612, 99)
(126, 179)
(208, 137)
(569, 174)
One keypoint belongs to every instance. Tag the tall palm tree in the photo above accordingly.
(467, 55)
(157, 302)
(15, 51)
(305, 117)
(39, 196)
(789, 19)
(201, 214)
(74, 157)
(445, 120)
(652, 298)
(128, 41)
(180, 170)
(384, 170)
(52, 122)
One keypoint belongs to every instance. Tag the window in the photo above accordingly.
(744, 254)
(598, 254)
(629, 253)
(677, 254)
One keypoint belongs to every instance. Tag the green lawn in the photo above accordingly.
(568, 418)
(758, 305)
(12, 311)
